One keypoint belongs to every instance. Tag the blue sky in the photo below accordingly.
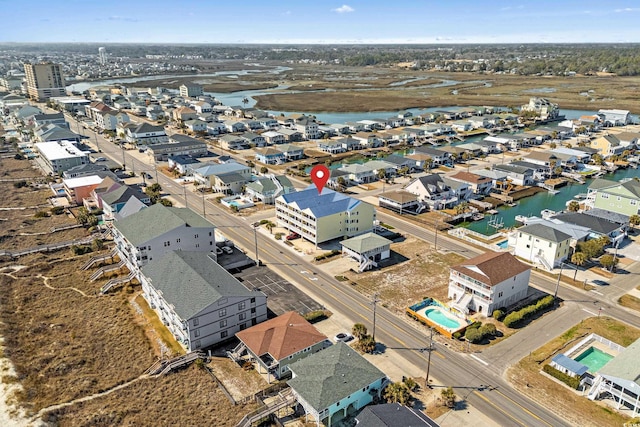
(300, 21)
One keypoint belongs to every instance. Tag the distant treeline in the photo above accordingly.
(525, 59)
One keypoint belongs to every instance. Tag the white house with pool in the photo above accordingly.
(488, 282)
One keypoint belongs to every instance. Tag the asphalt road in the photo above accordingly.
(481, 387)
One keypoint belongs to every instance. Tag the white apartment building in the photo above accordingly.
(323, 217)
(488, 282)
(146, 134)
(200, 302)
(59, 156)
(152, 232)
(190, 90)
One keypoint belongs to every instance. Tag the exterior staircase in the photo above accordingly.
(463, 303)
(236, 353)
(594, 390)
(117, 281)
(285, 399)
(106, 269)
(99, 258)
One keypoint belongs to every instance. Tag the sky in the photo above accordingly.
(320, 21)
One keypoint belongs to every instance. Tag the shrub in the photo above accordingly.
(57, 210)
(457, 335)
(41, 214)
(474, 325)
(498, 314)
(512, 318)
(473, 335)
(20, 184)
(572, 382)
(488, 330)
(278, 236)
(410, 383)
(359, 330)
(366, 344)
(334, 252)
(80, 250)
(315, 316)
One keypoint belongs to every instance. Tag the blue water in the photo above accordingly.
(503, 245)
(441, 319)
(533, 205)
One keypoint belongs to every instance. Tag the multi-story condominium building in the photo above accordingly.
(44, 81)
(200, 302)
(59, 156)
(152, 232)
(307, 127)
(325, 216)
(488, 282)
(190, 90)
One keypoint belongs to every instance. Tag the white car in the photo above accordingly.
(227, 250)
(343, 336)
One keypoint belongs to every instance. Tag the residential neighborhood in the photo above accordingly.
(447, 250)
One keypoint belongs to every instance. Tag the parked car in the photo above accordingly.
(343, 337)
(292, 236)
(101, 159)
(227, 250)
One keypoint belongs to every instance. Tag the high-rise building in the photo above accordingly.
(44, 80)
(102, 54)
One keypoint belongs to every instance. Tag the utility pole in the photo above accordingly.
(374, 302)
(95, 137)
(555, 293)
(255, 236)
(435, 242)
(124, 167)
(430, 349)
(204, 211)
(184, 187)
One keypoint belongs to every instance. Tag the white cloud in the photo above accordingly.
(286, 13)
(345, 8)
(627, 9)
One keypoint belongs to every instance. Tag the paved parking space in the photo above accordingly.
(282, 295)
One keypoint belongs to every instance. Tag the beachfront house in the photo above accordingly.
(487, 282)
(334, 383)
(433, 191)
(619, 197)
(277, 343)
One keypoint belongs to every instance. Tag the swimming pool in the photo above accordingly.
(503, 245)
(593, 358)
(440, 318)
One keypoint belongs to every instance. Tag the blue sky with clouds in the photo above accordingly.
(344, 21)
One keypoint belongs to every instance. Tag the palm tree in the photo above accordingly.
(449, 397)
(578, 258)
(461, 208)
(397, 393)
(634, 220)
(341, 182)
(359, 330)
(269, 225)
(597, 159)
(381, 174)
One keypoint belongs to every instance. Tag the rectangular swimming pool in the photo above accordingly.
(595, 359)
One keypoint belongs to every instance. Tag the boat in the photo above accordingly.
(521, 218)
(580, 196)
(547, 213)
(553, 191)
(512, 204)
(477, 216)
(492, 212)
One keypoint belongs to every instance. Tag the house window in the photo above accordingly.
(223, 323)
(253, 300)
(253, 310)
(224, 334)
(499, 294)
(605, 196)
(210, 243)
(196, 322)
(196, 344)
(210, 234)
(243, 326)
(633, 202)
(196, 333)
(242, 316)
(618, 198)
(241, 305)
(549, 244)
(177, 240)
(196, 236)
(222, 312)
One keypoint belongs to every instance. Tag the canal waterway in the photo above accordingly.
(531, 206)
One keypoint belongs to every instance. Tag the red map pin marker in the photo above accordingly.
(320, 176)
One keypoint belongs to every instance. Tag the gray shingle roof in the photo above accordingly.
(544, 232)
(122, 194)
(365, 242)
(393, 415)
(599, 225)
(157, 220)
(625, 365)
(191, 281)
(330, 375)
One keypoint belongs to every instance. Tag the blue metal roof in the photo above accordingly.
(326, 203)
(570, 364)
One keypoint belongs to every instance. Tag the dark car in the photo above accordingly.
(600, 283)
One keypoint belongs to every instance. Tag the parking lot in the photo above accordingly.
(282, 295)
